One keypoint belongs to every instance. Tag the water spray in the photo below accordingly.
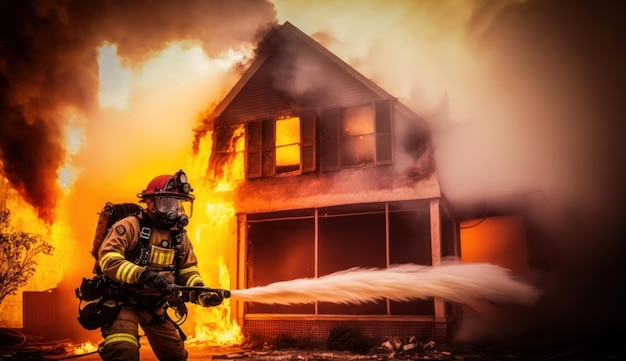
(452, 281)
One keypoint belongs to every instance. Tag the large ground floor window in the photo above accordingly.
(310, 243)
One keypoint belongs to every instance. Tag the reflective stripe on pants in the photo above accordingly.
(122, 335)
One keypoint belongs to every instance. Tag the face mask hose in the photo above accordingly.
(183, 220)
(171, 218)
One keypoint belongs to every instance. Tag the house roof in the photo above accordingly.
(287, 30)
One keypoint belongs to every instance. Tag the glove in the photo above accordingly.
(153, 279)
(208, 299)
(193, 296)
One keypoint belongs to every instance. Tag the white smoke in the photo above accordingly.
(452, 281)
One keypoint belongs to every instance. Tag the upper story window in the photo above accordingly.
(356, 136)
(280, 146)
(348, 137)
(287, 145)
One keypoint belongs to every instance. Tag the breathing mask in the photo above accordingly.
(173, 211)
(172, 200)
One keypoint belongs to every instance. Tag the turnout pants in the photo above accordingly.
(121, 338)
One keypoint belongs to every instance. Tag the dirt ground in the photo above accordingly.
(411, 349)
(585, 352)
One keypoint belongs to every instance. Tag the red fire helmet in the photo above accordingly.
(166, 185)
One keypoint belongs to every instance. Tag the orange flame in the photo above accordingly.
(213, 222)
(50, 268)
(214, 325)
(24, 219)
(83, 348)
(212, 230)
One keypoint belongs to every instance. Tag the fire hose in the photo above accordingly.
(181, 290)
(104, 300)
(201, 295)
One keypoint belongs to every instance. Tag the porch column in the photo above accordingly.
(435, 245)
(242, 261)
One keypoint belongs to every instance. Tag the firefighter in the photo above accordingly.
(164, 258)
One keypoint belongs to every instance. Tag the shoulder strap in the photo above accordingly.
(177, 242)
(177, 245)
(145, 228)
(145, 231)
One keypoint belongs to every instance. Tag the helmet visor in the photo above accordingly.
(181, 206)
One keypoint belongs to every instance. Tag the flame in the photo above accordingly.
(214, 325)
(24, 218)
(212, 230)
(84, 348)
(94, 172)
(50, 268)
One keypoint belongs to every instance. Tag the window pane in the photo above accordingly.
(358, 142)
(357, 120)
(409, 242)
(287, 145)
(356, 240)
(280, 249)
(288, 156)
(358, 150)
(409, 237)
(287, 131)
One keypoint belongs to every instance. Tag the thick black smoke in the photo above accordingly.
(48, 66)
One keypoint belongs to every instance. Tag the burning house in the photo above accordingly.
(331, 172)
(337, 174)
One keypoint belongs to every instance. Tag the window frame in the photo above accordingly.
(345, 139)
(278, 147)
(332, 144)
(260, 158)
(420, 248)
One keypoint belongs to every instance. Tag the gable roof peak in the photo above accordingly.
(287, 36)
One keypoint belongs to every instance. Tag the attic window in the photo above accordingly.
(287, 145)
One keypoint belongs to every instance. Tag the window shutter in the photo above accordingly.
(269, 148)
(253, 149)
(384, 143)
(329, 140)
(307, 141)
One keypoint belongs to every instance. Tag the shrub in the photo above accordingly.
(17, 256)
(351, 339)
(284, 341)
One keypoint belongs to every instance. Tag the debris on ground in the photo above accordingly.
(410, 348)
(414, 349)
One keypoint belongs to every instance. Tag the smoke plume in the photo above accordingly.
(49, 69)
(525, 98)
(556, 81)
